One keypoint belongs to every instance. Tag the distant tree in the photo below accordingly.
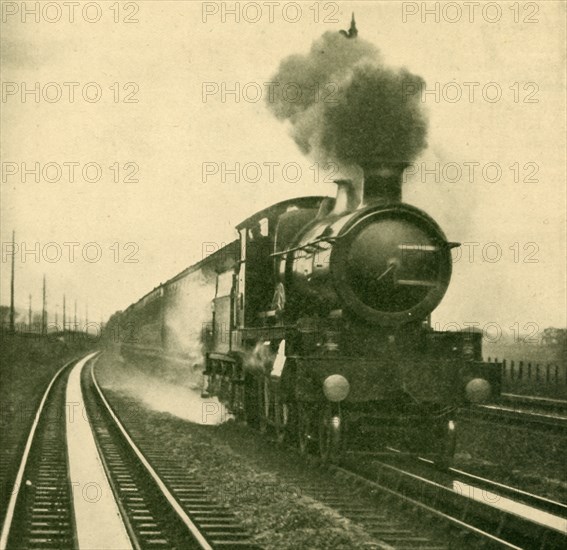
(552, 336)
(471, 329)
(4, 315)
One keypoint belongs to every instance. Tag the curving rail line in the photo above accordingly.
(155, 491)
(33, 449)
(77, 443)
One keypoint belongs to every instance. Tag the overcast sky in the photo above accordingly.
(177, 49)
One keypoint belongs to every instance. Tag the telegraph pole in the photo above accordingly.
(12, 307)
(43, 311)
(30, 315)
(64, 318)
(75, 319)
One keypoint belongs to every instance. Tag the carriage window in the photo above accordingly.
(259, 230)
(224, 284)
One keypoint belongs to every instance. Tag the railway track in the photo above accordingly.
(156, 487)
(468, 511)
(521, 418)
(358, 503)
(39, 512)
(522, 412)
(83, 483)
(534, 403)
(490, 513)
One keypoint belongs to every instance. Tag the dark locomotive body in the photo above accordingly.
(319, 325)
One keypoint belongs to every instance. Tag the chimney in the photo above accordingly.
(383, 182)
(348, 198)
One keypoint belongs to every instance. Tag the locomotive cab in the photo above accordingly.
(262, 237)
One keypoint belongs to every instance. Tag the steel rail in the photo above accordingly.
(446, 503)
(7, 525)
(375, 485)
(515, 418)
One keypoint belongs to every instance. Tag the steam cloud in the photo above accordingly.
(350, 107)
(188, 314)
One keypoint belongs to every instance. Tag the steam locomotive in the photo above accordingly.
(319, 328)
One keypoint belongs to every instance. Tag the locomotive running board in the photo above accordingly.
(410, 282)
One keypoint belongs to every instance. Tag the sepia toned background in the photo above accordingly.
(152, 62)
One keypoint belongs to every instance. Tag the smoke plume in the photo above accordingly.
(346, 106)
